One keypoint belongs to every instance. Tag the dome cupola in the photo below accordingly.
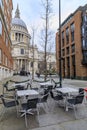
(17, 20)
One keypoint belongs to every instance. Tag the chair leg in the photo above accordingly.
(74, 111)
(2, 113)
(26, 119)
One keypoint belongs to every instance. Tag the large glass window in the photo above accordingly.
(63, 38)
(72, 26)
(85, 55)
(83, 30)
(73, 48)
(67, 50)
(63, 52)
(72, 36)
(84, 43)
(68, 61)
(67, 31)
(67, 35)
(73, 60)
(85, 18)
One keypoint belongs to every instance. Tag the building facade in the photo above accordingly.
(24, 54)
(6, 62)
(73, 45)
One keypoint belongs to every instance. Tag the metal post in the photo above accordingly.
(33, 55)
(60, 68)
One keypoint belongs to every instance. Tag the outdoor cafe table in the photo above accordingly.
(45, 84)
(25, 95)
(67, 91)
(29, 93)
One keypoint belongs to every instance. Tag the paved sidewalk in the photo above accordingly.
(54, 118)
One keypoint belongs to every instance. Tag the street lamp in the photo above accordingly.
(33, 55)
(60, 59)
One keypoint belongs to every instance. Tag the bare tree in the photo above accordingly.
(46, 33)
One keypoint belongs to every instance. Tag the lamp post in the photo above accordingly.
(60, 68)
(33, 55)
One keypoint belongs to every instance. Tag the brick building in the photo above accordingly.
(73, 45)
(6, 62)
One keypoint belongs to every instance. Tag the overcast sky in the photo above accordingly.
(30, 11)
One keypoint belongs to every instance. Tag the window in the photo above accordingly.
(73, 48)
(72, 36)
(31, 64)
(0, 27)
(72, 26)
(67, 31)
(83, 30)
(67, 50)
(85, 55)
(84, 43)
(63, 38)
(0, 56)
(85, 17)
(86, 29)
(73, 60)
(68, 61)
(22, 51)
(67, 35)
(16, 36)
(72, 31)
(63, 52)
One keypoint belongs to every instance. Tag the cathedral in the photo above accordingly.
(22, 50)
(25, 55)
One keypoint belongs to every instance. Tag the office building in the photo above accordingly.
(6, 62)
(73, 45)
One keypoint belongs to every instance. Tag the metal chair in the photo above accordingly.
(56, 84)
(81, 90)
(28, 107)
(58, 97)
(6, 87)
(43, 98)
(74, 102)
(8, 102)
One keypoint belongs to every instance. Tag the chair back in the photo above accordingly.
(3, 100)
(6, 86)
(79, 99)
(46, 91)
(81, 91)
(32, 103)
(7, 102)
(51, 93)
(50, 87)
(44, 99)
